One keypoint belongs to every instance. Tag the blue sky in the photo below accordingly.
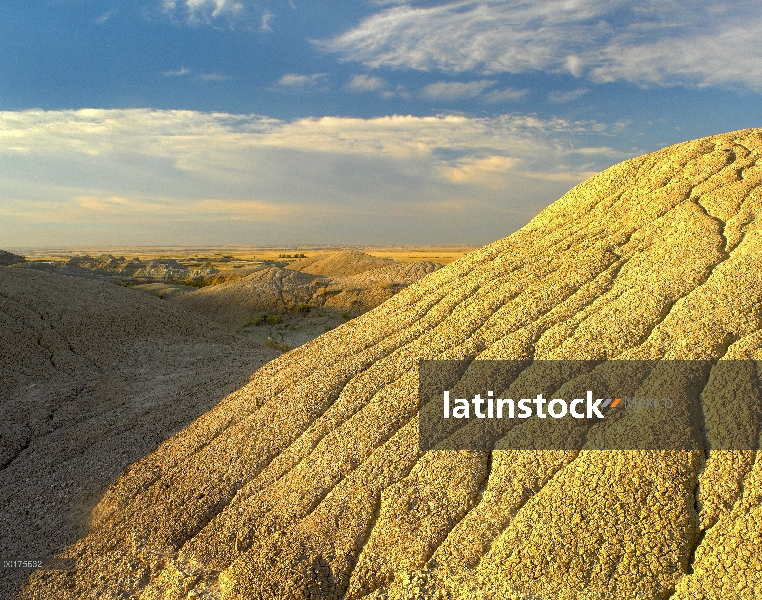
(286, 121)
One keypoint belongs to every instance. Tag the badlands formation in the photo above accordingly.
(93, 376)
(166, 269)
(308, 482)
(8, 258)
(346, 281)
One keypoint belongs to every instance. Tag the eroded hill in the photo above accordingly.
(8, 258)
(306, 297)
(93, 376)
(309, 482)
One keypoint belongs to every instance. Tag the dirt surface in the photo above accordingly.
(308, 482)
(93, 376)
(290, 305)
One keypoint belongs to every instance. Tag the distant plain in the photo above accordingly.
(440, 254)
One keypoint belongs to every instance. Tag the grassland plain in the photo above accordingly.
(308, 481)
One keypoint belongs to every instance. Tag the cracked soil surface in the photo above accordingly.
(93, 376)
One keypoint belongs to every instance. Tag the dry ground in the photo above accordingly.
(308, 482)
(93, 376)
(286, 306)
(259, 282)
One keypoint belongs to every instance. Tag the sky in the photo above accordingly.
(216, 122)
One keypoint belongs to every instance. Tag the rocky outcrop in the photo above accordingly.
(236, 302)
(341, 264)
(166, 269)
(309, 481)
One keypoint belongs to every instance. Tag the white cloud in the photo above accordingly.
(366, 83)
(181, 134)
(508, 94)
(605, 150)
(452, 90)
(295, 81)
(372, 83)
(158, 176)
(177, 72)
(183, 71)
(105, 16)
(204, 11)
(265, 23)
(562, 97)
(487, 172)
(217, 7)
(645, 42)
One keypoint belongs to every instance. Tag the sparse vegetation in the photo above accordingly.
(255, 321)
(300, 307)
(199, 283)
(292, 303)
(292, 256)
(271, 343)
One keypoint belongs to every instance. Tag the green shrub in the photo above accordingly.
(199, 283)
(273, 319)
(271, 343)
(300, 307)
(256, 321)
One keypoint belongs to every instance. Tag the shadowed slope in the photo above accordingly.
(349, 281)
(8, 258)
(92, 377)
(235, 302)
(308, 481)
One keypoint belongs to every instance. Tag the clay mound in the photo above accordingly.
(308, 481)
(8, 258)
(92, 377)
(235, 302)
(340, 264)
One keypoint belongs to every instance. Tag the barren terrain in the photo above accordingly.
(308, 481)
(291, 305)
(268, 297)
(93, 376)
